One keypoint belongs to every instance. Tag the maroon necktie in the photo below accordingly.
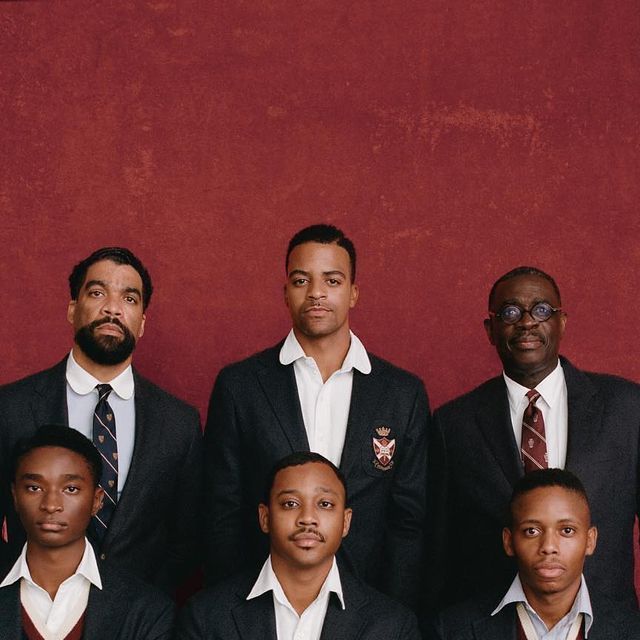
(534, 443)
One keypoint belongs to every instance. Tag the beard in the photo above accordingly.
(105, 350)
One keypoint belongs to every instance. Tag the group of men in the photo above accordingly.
(309, 441)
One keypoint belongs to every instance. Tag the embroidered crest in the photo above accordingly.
(530, 443)
(101, 439)
(384, 449)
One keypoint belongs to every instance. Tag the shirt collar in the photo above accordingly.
(549, 389)
(82, 382)
(581, 604)
(356, 357)
(88, 568)
(268, 581)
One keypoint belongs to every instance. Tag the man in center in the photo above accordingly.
(320, 390)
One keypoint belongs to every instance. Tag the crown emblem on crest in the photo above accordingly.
(383, 431)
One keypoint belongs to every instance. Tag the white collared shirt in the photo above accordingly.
(325, 405)
(289, 625)
(54, 619)
(581, 604)
(553, 404)
(82, 397)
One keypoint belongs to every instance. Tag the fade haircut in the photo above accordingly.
(53, 435)
(324, 234)
(545, 478)
(297, 459)
(523, 271)
(119, 255)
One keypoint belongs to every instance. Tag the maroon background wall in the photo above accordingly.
(451, 140)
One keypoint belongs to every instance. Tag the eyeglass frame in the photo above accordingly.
(524, 310)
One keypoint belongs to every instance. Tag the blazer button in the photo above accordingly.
(103, 556)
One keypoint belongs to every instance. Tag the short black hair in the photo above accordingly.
(296, 459)
(119, 255)
(545, 478)
(523, 271)
(324, 234)
(54, 435)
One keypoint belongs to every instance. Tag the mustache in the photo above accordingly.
(528, 334)
(305, 531)
(108, 320)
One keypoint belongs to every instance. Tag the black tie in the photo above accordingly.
(104, 437)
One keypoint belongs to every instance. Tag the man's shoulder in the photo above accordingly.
(219, 600)
(394, 374)
(119, 584)
(241, 369)
(151, 391)
(471, 400)
(611, 615)
(457, 621)
(606, 383)
(28, 384)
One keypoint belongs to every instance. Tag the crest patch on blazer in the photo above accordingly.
(384, 448)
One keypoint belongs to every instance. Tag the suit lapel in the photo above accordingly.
(585, 409)
(349, 623)
(494, 421)
(255, 619)
(50, 404)
(106, 611)
(502, 625)
(366, 394)
(10, 614)
(142, 464)
(279, 385)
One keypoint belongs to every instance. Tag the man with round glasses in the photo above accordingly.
(541, 412)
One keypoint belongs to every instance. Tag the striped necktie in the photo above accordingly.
(104, 437)
(534, 444)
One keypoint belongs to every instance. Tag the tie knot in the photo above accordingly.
(103, 391)
(532, 394)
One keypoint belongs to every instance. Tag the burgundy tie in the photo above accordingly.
(534, 443)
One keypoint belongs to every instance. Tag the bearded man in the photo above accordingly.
(150, 441)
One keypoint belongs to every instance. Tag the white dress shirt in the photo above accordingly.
(289, 625)
(54, 619)
(560, 631)
(82, 397)
(555, 412)
(325, 405)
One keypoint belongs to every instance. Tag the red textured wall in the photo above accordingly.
(452, 140)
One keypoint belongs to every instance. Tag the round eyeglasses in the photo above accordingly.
(512, 313)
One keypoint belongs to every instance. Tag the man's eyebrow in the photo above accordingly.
(30, 476)
(326, 490)
(335, 272)
(133, 290)
(285, 491)
(103, 284)
(38, 476)
(298, 272)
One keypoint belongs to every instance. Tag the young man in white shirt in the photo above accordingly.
(55, 590)
(300, 592)
(320, 390)
(550, 535)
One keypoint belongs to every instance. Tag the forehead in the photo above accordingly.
(110, 272)
(550, 504)
(52, 461)
(526, 289)
(326, 257)
(307, 478)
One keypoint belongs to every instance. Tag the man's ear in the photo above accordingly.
(353, 297)
(592, 539)
(71, 309)
(507, 542)
(98, 497)
(489, 330)
(346, 525)
(263, 517)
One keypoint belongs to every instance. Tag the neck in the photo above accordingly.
(530, 379)
(301, 585)
(552, 607)
(50, 567)
(102, 372)
(329, 351)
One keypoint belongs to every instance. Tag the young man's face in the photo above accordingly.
(108, 318)
(306, 518)
(550, 536)
(319, 292)
(55, 496)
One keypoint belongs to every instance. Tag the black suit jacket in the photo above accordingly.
(224, 613)
(478, 461)
(153, 532)
(125, 609)
(255, 419)
(472, 620)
